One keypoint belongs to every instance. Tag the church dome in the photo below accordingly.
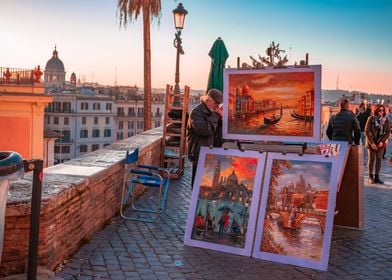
(54, 64)
(232, 179)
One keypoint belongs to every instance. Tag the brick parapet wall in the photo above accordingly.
(78, 197)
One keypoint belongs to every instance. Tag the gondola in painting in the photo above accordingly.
(273, 104)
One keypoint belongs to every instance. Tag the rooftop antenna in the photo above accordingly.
(337, 82)
(115, 76)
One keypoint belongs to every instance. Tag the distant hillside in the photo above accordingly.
(332, 96)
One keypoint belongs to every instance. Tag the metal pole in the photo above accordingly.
(178, 45)
(37, 167)
(177, 74)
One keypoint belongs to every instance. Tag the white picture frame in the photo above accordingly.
(293, 227)
(268, 104)
(225, 180)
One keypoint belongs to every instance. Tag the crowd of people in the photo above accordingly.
(369, 126)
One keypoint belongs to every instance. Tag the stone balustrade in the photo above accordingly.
(78, 197)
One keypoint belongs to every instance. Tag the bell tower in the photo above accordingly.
(215, 179)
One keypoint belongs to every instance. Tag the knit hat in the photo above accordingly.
(215, 94)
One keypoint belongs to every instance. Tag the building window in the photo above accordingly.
(107, 133)
(120, 125)
(48, 120)
(109, 106)
(131, 112)
(140, 125)
(66, 107)
(95, 133)
(130, 134)
(131, 125)
(83, 148)
(96, 106)
(107, 120)
(157, 123)
(84, 133)
(120, 111)
(158, 113)
(140, 112)
(66, 121)
(119, 135)
(83, 120)
(65, 149)
(56, 149)
(66, 136)
(84, 106)
(106, 144)
(56, 120)
(95, 120)
(94, 147)
(56, 107)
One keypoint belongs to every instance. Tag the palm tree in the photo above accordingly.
(130, 10)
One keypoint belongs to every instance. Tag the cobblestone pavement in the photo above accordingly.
(136, 250)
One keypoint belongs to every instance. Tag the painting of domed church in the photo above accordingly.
(297, 209)
(225, 200)
(273, 104)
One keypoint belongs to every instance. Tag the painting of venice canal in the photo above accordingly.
(225, 199)
(273, 105)
(295, 216)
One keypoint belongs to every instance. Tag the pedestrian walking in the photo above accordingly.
(223, 223)
(377, 132)
(344, 126)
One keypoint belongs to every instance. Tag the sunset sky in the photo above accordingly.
(244, 167)
(351, 39)
(286, 88)
(317, 174)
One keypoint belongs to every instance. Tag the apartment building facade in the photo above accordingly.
(84, 121)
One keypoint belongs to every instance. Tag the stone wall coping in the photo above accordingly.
(85, 170)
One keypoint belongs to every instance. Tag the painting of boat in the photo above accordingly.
(305, 107)
(273, 119)
(259, 104)
(301, 117)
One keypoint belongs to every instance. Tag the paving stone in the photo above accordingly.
(135, 250)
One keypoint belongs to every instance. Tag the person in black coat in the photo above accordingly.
(344, 126)
(364, 114)
(204, 127)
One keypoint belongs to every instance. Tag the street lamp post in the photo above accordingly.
(179, 19)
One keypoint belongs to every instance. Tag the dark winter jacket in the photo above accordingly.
(342, 126)
(204, 128)
(362, 118)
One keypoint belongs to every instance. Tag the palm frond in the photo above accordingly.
(129, 10)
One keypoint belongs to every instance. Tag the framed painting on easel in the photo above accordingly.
(225, 200)
(297, 210)
(272, 104)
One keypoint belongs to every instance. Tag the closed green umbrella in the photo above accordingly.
(219, 55)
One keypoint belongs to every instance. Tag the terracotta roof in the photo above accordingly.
(51, 134)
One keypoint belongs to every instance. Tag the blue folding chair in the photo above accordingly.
(147, 176)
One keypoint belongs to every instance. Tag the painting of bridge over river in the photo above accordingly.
(225, 199)
(296, 215)
(272, 104)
